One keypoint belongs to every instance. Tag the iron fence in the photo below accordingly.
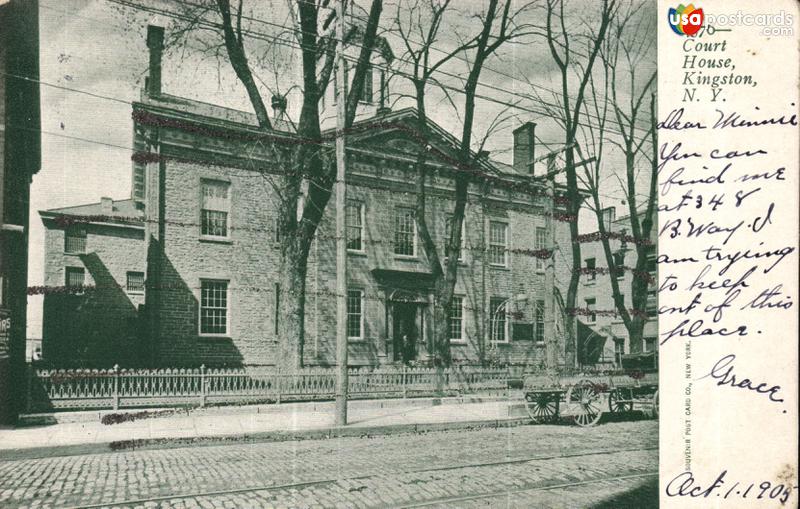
(85, 389)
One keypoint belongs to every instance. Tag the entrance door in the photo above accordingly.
(406, 331)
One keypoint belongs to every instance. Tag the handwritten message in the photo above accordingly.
(728, 157)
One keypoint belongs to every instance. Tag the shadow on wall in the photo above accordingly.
(172, 321)
(96, 329)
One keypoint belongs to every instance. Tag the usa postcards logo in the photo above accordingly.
(685, 20)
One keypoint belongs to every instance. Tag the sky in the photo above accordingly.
(93, 61)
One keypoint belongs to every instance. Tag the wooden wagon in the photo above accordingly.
(585, 397)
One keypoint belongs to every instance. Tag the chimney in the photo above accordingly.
(106, 206)
(155, 43)
(279, 107)
(523, 148)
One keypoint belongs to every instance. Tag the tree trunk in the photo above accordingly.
(291, 310)
(636, 333)
(443, 299)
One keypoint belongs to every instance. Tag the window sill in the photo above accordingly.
(215, 240)
(591, 282)
(500, 343)
(137, 292)
(539, 344)
(498, 267)
(356, 341)
(458, 342)
(213, 337)
(353, 252)
(74, 253)
(406, 258)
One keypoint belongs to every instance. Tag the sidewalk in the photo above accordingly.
(87, 434)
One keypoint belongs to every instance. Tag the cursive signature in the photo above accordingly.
(723, 373)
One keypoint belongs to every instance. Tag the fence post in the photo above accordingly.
(202, 386)
(115, 395)
(404, 381)
(278, 386)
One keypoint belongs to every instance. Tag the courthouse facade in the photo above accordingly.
(195, 254)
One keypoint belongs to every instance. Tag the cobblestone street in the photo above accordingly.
(609, 466)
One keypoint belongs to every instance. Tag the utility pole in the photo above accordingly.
(551, 342)
(341, 226)
(552, 348)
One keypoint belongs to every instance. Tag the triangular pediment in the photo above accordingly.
(398, 133)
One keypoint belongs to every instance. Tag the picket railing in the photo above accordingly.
(128, 388)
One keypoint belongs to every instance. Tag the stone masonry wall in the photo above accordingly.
(249, 261)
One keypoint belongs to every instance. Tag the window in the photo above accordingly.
(498, 321)
(619, 263)
(213, 307)
(539, 244)
(355, 314)
(355, 226)
(366, 95)
(649, 344)
(590, 308)
(539, 316)
(75, 240)
(591, 265)
(498, 243)
(609, 215)
(448, 225)
(405, 233)
(135, 282)
(651, 308)
(215, 211)
(457, 319)
(650, 252)
(74, 276)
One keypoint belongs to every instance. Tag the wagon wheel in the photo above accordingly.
(654, 409)
(617, 402)
(542, 406)
(584, 400)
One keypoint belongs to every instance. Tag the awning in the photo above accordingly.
(590, 344)
(407, 296)
(404, 279)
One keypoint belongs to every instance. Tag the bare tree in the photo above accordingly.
(625, 93)
(424, 20)
(307, 170)
(573, 65)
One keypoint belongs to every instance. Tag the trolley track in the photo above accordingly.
(559, 486)
(263, 488)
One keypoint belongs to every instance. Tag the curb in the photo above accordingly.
(263, 437)
(46, 418)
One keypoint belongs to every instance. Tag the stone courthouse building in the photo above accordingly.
(194, 253)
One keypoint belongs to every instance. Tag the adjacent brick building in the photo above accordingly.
(94, 284)
(605, 336)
